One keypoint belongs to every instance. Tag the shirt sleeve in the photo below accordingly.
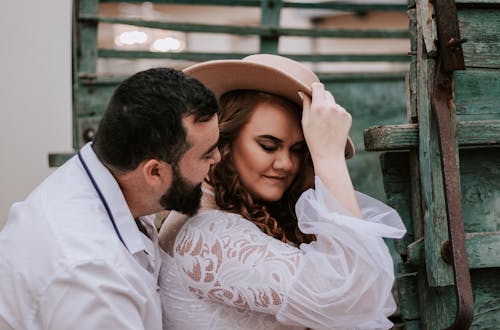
(91, 295)
(343, 280)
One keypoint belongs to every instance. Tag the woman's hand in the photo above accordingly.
(325, 124)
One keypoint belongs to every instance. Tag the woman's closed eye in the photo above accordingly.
(268, 147)
(299, 148)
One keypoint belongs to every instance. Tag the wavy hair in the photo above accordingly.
(277, 219)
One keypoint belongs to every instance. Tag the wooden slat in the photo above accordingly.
(196, 56)
(87, 43)
(266, 30)
(477, 91)
(406, 281)
(431, 183)
(482, 250)
(481, 28)
(270, 15)
(343, 6)
(57, 159)
(401, 137)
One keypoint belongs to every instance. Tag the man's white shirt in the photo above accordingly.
(63, 265)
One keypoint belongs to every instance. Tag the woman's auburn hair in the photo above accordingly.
(277, 219)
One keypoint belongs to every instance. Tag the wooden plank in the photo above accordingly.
(481, 29)
(431, 184)
(343, 6)
(270, 17)
(482, 250)
(479, 171)
(266, 30)
(406, 282)
(428, 26)
(396, 179)
(92, 100)
(57, 159)
(87, 41)
(477, 92)
(486, 298)
(197, 56)
(404, 137)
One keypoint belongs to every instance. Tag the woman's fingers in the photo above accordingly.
(318, 92)
(325, 123)
(306, 106)
(330, 96)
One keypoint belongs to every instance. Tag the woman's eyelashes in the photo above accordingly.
(298, 148)
(268, 147)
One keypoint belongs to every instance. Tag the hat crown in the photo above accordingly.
(297, 70)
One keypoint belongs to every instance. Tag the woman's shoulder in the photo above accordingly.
(218, 221)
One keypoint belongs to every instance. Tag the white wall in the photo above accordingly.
(35, 93)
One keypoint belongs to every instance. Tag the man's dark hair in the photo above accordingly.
(143, 119)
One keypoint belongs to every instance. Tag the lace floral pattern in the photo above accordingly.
(231, 275)
(212, 259)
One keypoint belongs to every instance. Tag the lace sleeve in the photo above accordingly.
(343, 280)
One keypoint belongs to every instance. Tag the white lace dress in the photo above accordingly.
(227, 274)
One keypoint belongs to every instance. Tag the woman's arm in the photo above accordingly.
(343, 280)
(326, 127)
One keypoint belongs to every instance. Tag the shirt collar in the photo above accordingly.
(116, 201)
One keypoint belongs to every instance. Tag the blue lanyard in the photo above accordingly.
(103, 200)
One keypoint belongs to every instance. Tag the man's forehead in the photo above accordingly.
(201, 132)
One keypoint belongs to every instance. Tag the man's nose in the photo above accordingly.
(216, 156)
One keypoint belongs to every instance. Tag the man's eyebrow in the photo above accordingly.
(209, 150)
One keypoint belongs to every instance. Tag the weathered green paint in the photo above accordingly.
(480, 172)
(370, 101)
(481, 28)
(56, 160)
(88, 38)
(267, 30)
(406, 281)
(91, 100)
(486, 288)
(343, 6)
(402, 137)
(195, 56)
(431, 184)
(476, 96)
(477, 92)
(270, 17)
(482, 250)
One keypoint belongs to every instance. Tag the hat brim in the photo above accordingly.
(222, 76)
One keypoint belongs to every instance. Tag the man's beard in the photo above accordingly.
(182, 196)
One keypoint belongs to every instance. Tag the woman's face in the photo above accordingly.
(267, 152)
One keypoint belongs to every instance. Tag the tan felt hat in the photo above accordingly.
(263, 72)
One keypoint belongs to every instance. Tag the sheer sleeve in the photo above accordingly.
(343, 280)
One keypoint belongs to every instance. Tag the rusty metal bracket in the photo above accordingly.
(449, 40)
(450, 58)
(441, 98)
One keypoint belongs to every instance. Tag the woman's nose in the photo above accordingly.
(283, 161)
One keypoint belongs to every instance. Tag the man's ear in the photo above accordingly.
(157, 174)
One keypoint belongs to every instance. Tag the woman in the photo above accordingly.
(265, 252)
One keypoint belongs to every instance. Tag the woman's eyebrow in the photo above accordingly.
(270, 137)
(277, 140)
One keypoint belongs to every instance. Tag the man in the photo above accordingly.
(81, 251)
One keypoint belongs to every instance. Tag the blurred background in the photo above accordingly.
(36, 98)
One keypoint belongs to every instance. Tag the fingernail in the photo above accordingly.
(301, 95)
